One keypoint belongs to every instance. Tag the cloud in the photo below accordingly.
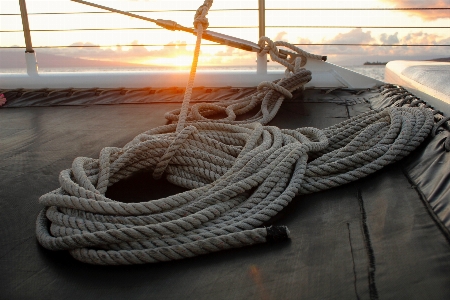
(421, 38)
(280, 36)
(228, 56)
(359, 54)
(389, 39)
(445, 41)
(228, 52)
(87, 44)
(424, 14)
(355, 36)
(131, 54)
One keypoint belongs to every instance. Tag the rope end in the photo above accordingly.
(277, 233)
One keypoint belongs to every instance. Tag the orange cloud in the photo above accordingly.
(424, 14)
(347, 54)
(178, 54)
(134, 54)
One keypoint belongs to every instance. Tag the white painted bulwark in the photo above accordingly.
(159, 79)
(343, 77)
(324, 75)
(425, 79)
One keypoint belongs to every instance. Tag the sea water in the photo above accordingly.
(376, 72)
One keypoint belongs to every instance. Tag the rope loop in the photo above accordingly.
(275, 87)
(297, 59)
(172, 149)
(238, 176)
(200, 15)
(239, 173)
(438, 125)
(400, 97)
(269, 99)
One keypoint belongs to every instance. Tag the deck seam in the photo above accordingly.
(353, 261)
(373, 292)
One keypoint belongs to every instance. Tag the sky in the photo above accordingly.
(174, 48)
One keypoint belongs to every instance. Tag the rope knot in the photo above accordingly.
(179, 140)
(292, 60)
(201, 20)
(200, 15)
(275, 87)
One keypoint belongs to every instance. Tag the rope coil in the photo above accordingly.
(399, 96)
(239, 174)
(269, 96)
(239, 177)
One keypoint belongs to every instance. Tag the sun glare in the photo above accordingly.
(179, 61)
(145, 43)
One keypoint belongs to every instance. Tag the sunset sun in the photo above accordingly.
(69, 29)
(175, 61)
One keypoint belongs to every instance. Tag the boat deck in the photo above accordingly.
(378, 237)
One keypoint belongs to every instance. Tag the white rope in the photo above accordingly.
(239, 174)
(269, 97)
(200, 23)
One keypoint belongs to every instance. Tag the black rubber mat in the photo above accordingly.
(374, 238)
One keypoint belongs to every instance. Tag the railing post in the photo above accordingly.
(30, 55)
(261, 60)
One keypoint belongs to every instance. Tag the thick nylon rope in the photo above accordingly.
(398, 96)
(200, 23)
(240, 175)
(269, 95)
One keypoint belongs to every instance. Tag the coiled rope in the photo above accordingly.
(399, 96)
(239, 176)
(269, 97)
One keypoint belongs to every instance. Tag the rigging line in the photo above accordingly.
(369, 8)
(191, 44)
(240, 9)
(171, 25)
(347, 26)
(130, 11)
(378, 45)
(200, 23)
(233, 27)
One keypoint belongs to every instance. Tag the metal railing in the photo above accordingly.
(262, 62)
(241, 9)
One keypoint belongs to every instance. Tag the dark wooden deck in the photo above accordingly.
(374, 238)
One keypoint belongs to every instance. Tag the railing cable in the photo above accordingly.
(231, 27)
(209, 44)
(241, 9)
